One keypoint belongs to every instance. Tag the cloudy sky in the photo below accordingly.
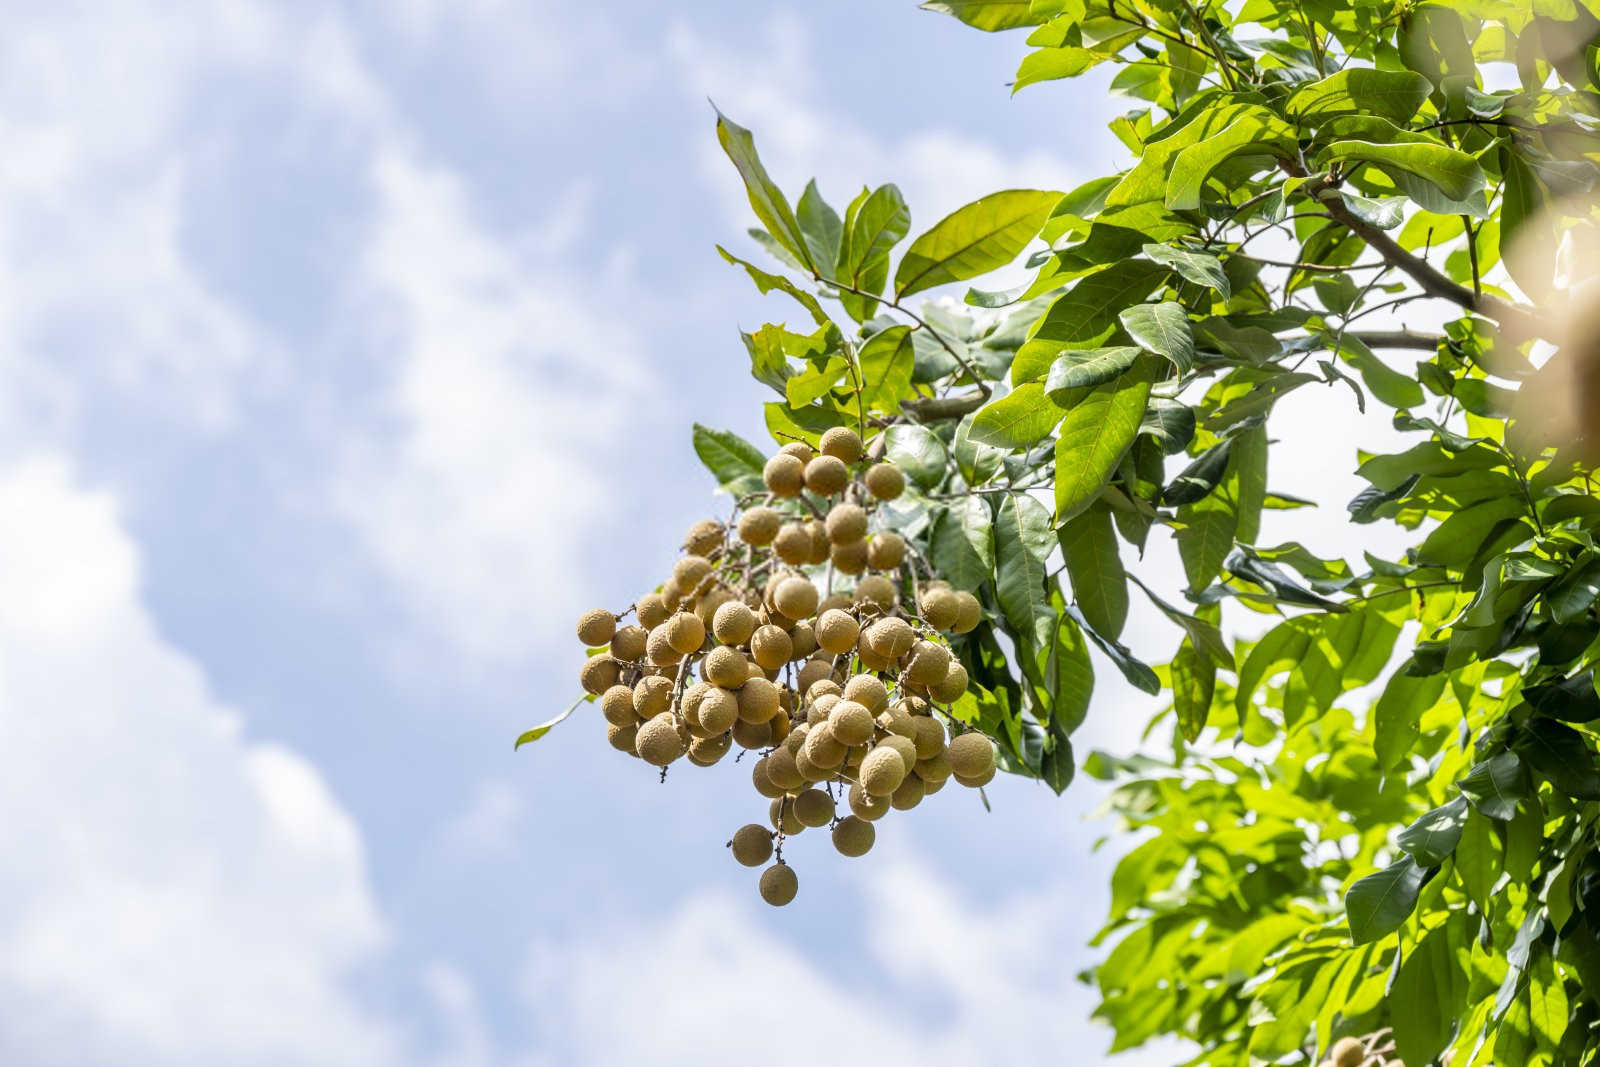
(347, 353)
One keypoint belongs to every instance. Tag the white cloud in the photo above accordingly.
(174, 893)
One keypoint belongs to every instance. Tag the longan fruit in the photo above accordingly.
(792, 544)
(763, 783)
(754, 735)
(785, 475)
(623, 737)
(837, 631)
(813, 671)
(671, 594)
(934, 771)
(909, 794)
(690, 571)
(809, 772)
(685, 632)
(596, 627)
(915, 705)
(820, 708)
(616, 704)
(705, 751)
(886, 551)
(840, 442)
(928, 663)
(950, 688)
(867, 807)
(782, 816)
(770, 647)
(652, 610)
(800, 450)
(974, 783)
(652, 695)
(819, 541)
(813, 807)
(884, 481)
(882, 771)
(704, 537)
(802, 639)
(782, 770)
(846, 524)
(929, 737)
(751, 844)
(870, 660)
(890, 638)
(796, 597)
(850, 723)
(853, 836)
(718, 711)
(898, 721)
(849, 559)
(940, 607)
(733, 623)
(969, 613)
(877, 590)
(657, 742)
(1347, 1052)
(628, 643)
(825, 475)
(825, 687)
(903, 745)
(598, 674)
(867, 691)
(757, 699)
(725, 667)
(779, 884)
(707, 603)
(971, 756)
(822, 749)
(759, 526)
(658, 647)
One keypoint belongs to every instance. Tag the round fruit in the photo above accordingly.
(934, 771)
(796, 597)
(628, 643)
(596, 627)
(929, 737)
(954, 683)
(846, 524)
(819, 541)
(928, 664)
(898, 721)
(884, 481)
(718, 711)
(826, 475)
(849, 559)
(940, 607)
(886, 551)
(837, 631)
(908, 795)
(622, 737)
(826, 687)
(876, 589)
(785, 475)
(882, 771)
(658, 648)
(754, 735)
(840, 442)
(813, 807)
(971, 756)
(867, 691)
(685, 633)
(770, 647)
(764, 785)
(820, 708)
(814, 671)
(822, 749)
(800, 450)
(658, 742)
(903, 745)
(616, 704)
(651, 609)
(1347, 1052)
(850, 723)
(890, 638)
(652, 695)
(792, 543)
(853, 836)
(598, 674)
(970, 613)
(781, 814)
(752, 844)
(759, 526)
(865, 805)
(690, 571)
(974, 783)
(704, 751)
(779, 884)
(704, 537)
(733, 623)
(782, 771)
(725, 666)
(757, 699)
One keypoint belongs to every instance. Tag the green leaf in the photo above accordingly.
(1094, 435)
(1455, 174)
(990, 15)
(727, 456)
(961, 545)
(1495, 785)
(1163, 329)
(1378, 904)
(1022, 542)
(815, 381)
(819, 225)
(1478, 859)
(1422, 1004)
(765, 197)
(1399, 711)
(1393, 94)
(1099, 584)
(1022, 418)
(874, 224)
(545, 727)
(1080, 368)
(886, 360)
(1432, 838)
(1257, 132)
(1069, 676)
(1194, 684)
(1561, 756)
(1202, 268)
(1572, 597)
(974, 239)
(1085, 315)
(767, 281)
(918, 452)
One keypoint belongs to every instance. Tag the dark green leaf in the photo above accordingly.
(1560, 755)
(1202, 268)
(1399, 711)
(1022, 541)
(1099, 585)
(819, 225)
(1432, 838)
(1495, 785)
(1163, 329)
(1378, 904)
(1094, 435)
(1393, 94)
(918, 452)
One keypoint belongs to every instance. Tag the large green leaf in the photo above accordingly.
(1377, 904)
(918, 452)
(1202, 268)
(820, 225)
(873, 224)
(1454, 173)
(1085, 316)
(973, 240)
(727, 455)
(1023, 417)
(1432, 838)
(1398, 713)
(1099, 584)
(1022, 542)
(1163, 329)
(886, 359)
(988, 15)
(1095, 434)
(766, 281)
(1393, 94)
(1256, 133)
(765, 197)
(961, 546)
(1080, 368)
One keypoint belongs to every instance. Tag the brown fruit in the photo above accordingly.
(793, 543)
(658, 743)
(898, 721)
(685, 633)
(878, 590)
(954, 683)
(849, 559)
(598, 674)
(781, 814)
(820, 708)
(1347, 1052)
(764, 784)
(813, 807)
(690, 571)
(846, 524)
(974, 783)
(671, 595)
(903, 745)
(814, 671)
(725, 667)
(940, 607)
(819, 541)
(718, 710)
(867, 691)
(853, 836)
(596, 627)
(704, 537)
(770, 647)
(785, 475)
(754, 735)
(826, 687)
(759, 526)
(757, 700)
(890, 638)
(782, 770)
(826, 475)
(850, 723)
(751, 844)
(652, 695)
(971, 756)
(908, 795)
(969, 613)
(886, 551)
(882, 771)
(934, 771)
(870, 660)
(865, 805)
(884, 481)
(733, 623)
(928, 663)
(837, 631)
(796, 597)
(800, 450)
(704, 751)
(929, 737)
(803, 639)
(652, 610)
(658, 647)
(822, 749)
(628, 643)
(623, 737)
(779, 884)
(840, 442)
(616, 704)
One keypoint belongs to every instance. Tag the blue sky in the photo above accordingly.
(347, 353)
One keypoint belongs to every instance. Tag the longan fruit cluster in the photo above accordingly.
(798, 631)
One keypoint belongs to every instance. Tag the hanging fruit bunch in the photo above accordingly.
(806, 630)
